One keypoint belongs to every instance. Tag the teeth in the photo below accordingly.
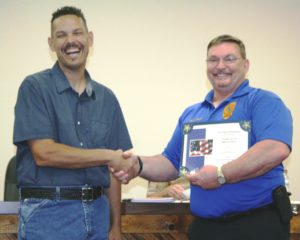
(222, 76)
(70, 52)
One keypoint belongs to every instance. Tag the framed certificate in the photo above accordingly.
(213, 144)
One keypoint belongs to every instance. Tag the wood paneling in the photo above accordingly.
(142, 221)
(8, 224)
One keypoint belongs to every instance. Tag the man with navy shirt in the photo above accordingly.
(68, 130)
(238, 200)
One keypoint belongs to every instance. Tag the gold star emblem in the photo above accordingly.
(187, 128)
(246, 125)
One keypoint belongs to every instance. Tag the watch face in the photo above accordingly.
(221, 180)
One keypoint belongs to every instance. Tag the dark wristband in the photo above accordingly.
(141, 165)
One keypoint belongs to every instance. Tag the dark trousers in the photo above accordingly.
(264, 225)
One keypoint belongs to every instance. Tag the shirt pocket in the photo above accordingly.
(97, 133)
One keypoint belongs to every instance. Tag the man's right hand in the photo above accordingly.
(127, 169)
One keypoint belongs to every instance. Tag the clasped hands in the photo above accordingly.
(125, 166)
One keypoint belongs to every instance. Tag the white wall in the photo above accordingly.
(152, 54)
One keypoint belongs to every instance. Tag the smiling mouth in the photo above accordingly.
(222, 75)
(72, 49)
(71, 52)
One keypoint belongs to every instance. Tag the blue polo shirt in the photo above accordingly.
(270, 119)
(48, 108)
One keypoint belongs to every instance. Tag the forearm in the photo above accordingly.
(258, 160)
(158, 168)
(48, 153)
(155, 168)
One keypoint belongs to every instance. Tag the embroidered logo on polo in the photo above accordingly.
(228, 110)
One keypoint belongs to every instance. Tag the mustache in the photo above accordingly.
(221, 71)
(72, 45)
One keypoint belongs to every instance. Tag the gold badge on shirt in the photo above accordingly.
(228, 110)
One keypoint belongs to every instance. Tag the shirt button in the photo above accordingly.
(81, 144)
(78, 123)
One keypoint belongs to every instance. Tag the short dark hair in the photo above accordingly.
(68, 10)
(228, 38)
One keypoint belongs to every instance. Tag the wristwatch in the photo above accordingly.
(220, 176)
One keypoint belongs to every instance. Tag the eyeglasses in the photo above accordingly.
(228, 60)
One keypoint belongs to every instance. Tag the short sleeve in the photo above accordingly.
(31, 118)
(271, 119)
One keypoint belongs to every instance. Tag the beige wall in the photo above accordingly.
(152, 54)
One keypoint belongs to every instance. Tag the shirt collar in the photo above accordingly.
(63, 84)
(243, 89)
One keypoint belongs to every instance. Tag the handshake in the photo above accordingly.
(125, 166)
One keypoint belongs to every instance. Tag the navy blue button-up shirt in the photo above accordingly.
(48, 108)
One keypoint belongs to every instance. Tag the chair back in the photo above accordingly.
(11, 192)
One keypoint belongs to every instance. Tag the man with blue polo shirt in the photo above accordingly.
(238, 200)
(68, 130)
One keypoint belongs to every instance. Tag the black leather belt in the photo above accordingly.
(236, 216)
(62, 193)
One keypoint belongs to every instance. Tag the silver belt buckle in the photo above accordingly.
(87, 194)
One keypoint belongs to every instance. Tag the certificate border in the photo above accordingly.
(190, 127)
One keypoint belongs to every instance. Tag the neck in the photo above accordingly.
(78, 83)
(76, 79)
(220, 94)
(219, 98)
